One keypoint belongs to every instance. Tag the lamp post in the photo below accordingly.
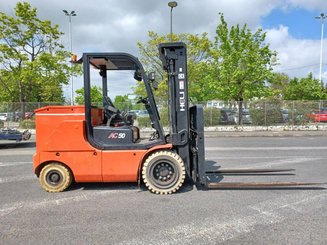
(72, 13)
(171, 5)
(322, 17)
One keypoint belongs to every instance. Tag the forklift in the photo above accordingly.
(92, 143)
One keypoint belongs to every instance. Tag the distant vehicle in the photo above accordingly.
(14, 134)
(142, 113)
(320, 116)
(132, 114)
(4, 116)
(284, 115)
(246, 117)
(28, 115)
(227, 116)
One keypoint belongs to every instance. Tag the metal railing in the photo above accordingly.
(216, 113)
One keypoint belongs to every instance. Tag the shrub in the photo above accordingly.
(27, 124)
(211, 116)
(300, 109)
(164, 117)
(266, 113)
(144, 122)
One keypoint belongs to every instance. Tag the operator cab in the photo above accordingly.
(107, 126)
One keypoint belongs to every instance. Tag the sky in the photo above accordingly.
(116, 26)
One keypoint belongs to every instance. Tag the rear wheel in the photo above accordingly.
(163, 172)
(55, 177)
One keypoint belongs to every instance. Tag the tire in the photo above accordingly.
(163, 172)
(55, 177)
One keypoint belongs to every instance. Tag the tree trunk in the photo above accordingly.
(240, 105)
(22, 100)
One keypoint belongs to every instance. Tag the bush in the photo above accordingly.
(266, 113)
(144, 122)
(2, 124)
(211, 116)
(164, 117)
(300, 109)
(27, 124)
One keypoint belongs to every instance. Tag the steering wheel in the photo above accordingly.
(109, 109)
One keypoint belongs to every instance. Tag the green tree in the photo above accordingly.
(33, 63)
(96, 95)
(278, 84)
(242, 64)
(307, 88)
(123, 103)
(198, 48)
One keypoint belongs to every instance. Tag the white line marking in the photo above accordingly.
(285, 161)
(9, 164)
(12, 152)
(285, 148)
(213, 230)
(278, 162)
(17, 178)
(263, 157)
(37, 204)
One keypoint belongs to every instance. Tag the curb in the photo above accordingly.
(230, 132)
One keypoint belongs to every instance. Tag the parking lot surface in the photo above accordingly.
(123, 214)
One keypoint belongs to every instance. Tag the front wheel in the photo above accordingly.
(163, 172)
(55, 177)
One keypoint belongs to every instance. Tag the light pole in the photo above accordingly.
(322, 17)
(171, 5)
(72, 13)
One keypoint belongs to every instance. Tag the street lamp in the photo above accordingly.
(72, 13)
(322, 17)
(171, 5)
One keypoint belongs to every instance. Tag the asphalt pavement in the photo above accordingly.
(124, 214)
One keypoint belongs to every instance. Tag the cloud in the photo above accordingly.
(297, 57)
(111, 25)
(312, 5)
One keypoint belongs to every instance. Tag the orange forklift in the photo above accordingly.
(100, 144)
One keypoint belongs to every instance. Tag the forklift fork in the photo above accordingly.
(253, 185)
(203, 177)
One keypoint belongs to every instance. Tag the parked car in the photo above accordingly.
(246, 117)
(4, 116)
(284, 115)
(142, 113)
(131, 114)
(227, 116)
(320, 116)
(29, 115)
(14, 134)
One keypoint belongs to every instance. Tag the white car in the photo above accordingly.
(3, 116)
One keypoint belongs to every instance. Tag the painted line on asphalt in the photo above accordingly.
(264, 164)
(48, 203)
(259, 157)
(9, 164)
(284, 162)
(17, 178)
(212, 230)
(284, 148)
(28, 152)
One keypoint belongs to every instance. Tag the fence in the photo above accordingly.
(253, 113)
(266, 113)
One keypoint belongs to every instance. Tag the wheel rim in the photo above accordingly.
(54, 178)
(163, 174)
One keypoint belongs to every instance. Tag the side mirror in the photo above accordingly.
(151, 76)
(152, 79)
